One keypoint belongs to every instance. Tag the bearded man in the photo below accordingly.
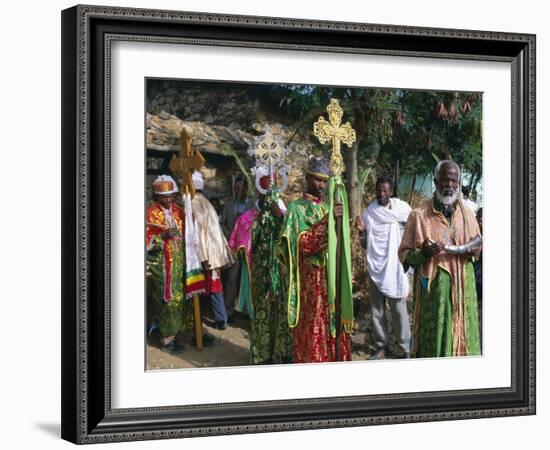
(441, 240)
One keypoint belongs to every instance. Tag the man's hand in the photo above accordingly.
(276, 210)
(170, 233)
(338, 210)
(360, 223)
(431, 248)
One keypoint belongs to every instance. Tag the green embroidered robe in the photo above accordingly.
(270, 337)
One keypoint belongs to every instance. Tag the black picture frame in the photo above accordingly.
(87, 33)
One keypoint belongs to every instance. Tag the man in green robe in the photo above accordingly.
(304, 255)
(445, 320)
(270, 337)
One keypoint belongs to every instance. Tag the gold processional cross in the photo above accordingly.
(335, 132)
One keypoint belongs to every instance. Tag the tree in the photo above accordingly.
(399, 132)
(430, 126)
(368, 110)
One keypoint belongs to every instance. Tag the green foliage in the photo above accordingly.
(364, 176)
(398, 131)
(228, 151)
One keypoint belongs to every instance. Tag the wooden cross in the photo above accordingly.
(335, 132)
(188, 161)
(184, 165)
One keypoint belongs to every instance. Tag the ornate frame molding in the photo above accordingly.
(88, 32)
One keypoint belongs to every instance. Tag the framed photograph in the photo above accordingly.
(281, 224)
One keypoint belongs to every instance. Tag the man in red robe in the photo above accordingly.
(303, 249)
(168, 307)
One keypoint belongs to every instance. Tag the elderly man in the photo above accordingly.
(304, 253)
(441, 239)
(383, 222)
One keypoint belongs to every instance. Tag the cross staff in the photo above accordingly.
(184, 165)
(188, 161)
(333, 131)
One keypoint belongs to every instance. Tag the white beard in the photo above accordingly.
(447, 200)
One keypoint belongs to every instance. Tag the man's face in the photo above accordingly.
(383, 193)
(165, 200)
(447, 184)
(316, 186)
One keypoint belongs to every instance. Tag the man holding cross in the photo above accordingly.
(303, 251)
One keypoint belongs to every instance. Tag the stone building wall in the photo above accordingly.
(223, 117)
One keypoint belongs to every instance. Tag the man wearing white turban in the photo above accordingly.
(212, 248)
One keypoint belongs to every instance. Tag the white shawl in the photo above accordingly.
(383, 238)
(192, 263)
(212, 245)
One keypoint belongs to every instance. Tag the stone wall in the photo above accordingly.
(223, 117)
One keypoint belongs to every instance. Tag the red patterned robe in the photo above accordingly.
(305, 231)
(167, 304)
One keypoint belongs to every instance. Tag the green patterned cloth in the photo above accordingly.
(177, 314)
(270, 338)
(337, 188)
(433, 318)
(300, 216)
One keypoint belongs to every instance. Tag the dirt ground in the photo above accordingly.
(231, 346)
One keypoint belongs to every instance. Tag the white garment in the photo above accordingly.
(170, 222)
(384, 233)
(471, 205)
(280, 204)
(192, 262)
(212, 245)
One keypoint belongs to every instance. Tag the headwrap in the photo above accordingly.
(318, 167)
(164, 185)
(198, 181)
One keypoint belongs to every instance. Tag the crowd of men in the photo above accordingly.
(268, 261)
